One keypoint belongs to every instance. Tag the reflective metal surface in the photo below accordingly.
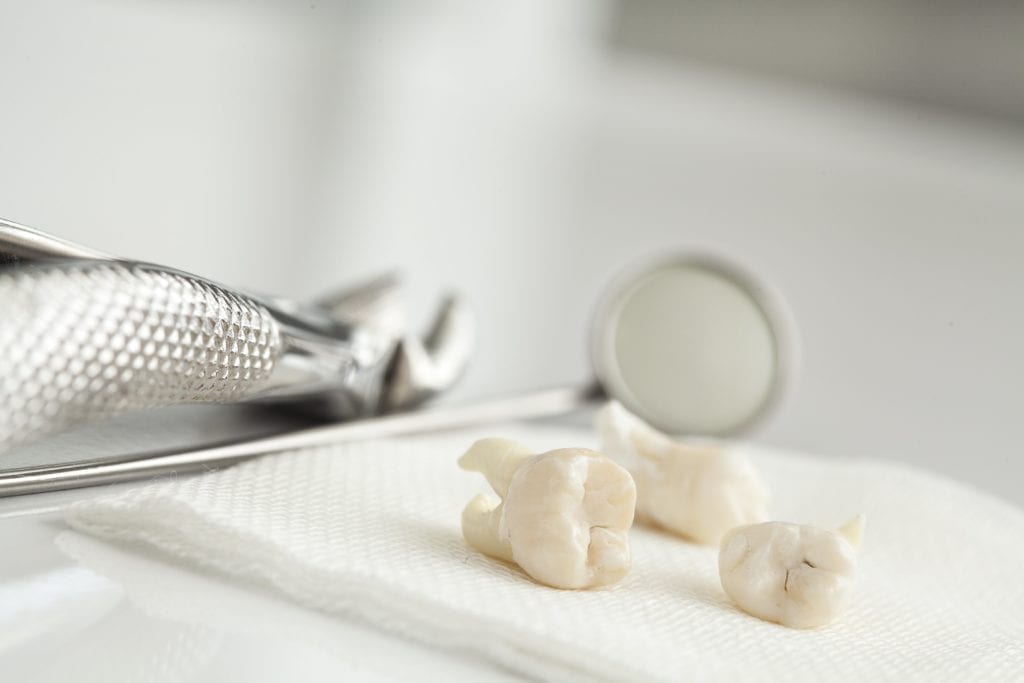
(147, 463)
(86, 340)
(82, 340)
(22, 243)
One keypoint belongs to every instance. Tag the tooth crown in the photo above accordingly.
(564, 518)
(796, 575)
(696, 492)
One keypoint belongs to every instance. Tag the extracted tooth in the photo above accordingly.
(563, 517)
(796, 575)
(699, 492)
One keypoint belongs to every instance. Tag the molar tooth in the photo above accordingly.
(564, 516)
(796, 575)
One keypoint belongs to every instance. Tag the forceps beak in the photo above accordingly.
(376, 304)
(421, 367)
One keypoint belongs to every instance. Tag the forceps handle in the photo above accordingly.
(109, 471)
(81, 340)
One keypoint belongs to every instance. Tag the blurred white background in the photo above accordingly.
(524, 152)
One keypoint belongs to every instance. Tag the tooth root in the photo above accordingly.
(853, 531)
(608, 556)
(613, 431)
(629, 436)
(497, 460)
(480, 522)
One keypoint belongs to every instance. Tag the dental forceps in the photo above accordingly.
(85, 336)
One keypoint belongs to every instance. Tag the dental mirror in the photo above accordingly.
(692, 344)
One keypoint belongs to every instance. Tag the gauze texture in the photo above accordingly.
(372, 530)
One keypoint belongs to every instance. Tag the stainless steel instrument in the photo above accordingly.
(691, 343)
(85, 336)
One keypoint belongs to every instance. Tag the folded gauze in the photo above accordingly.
(371, 530)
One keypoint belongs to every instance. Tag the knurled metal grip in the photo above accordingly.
(87, 340)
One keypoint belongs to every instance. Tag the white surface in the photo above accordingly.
(372, 530)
